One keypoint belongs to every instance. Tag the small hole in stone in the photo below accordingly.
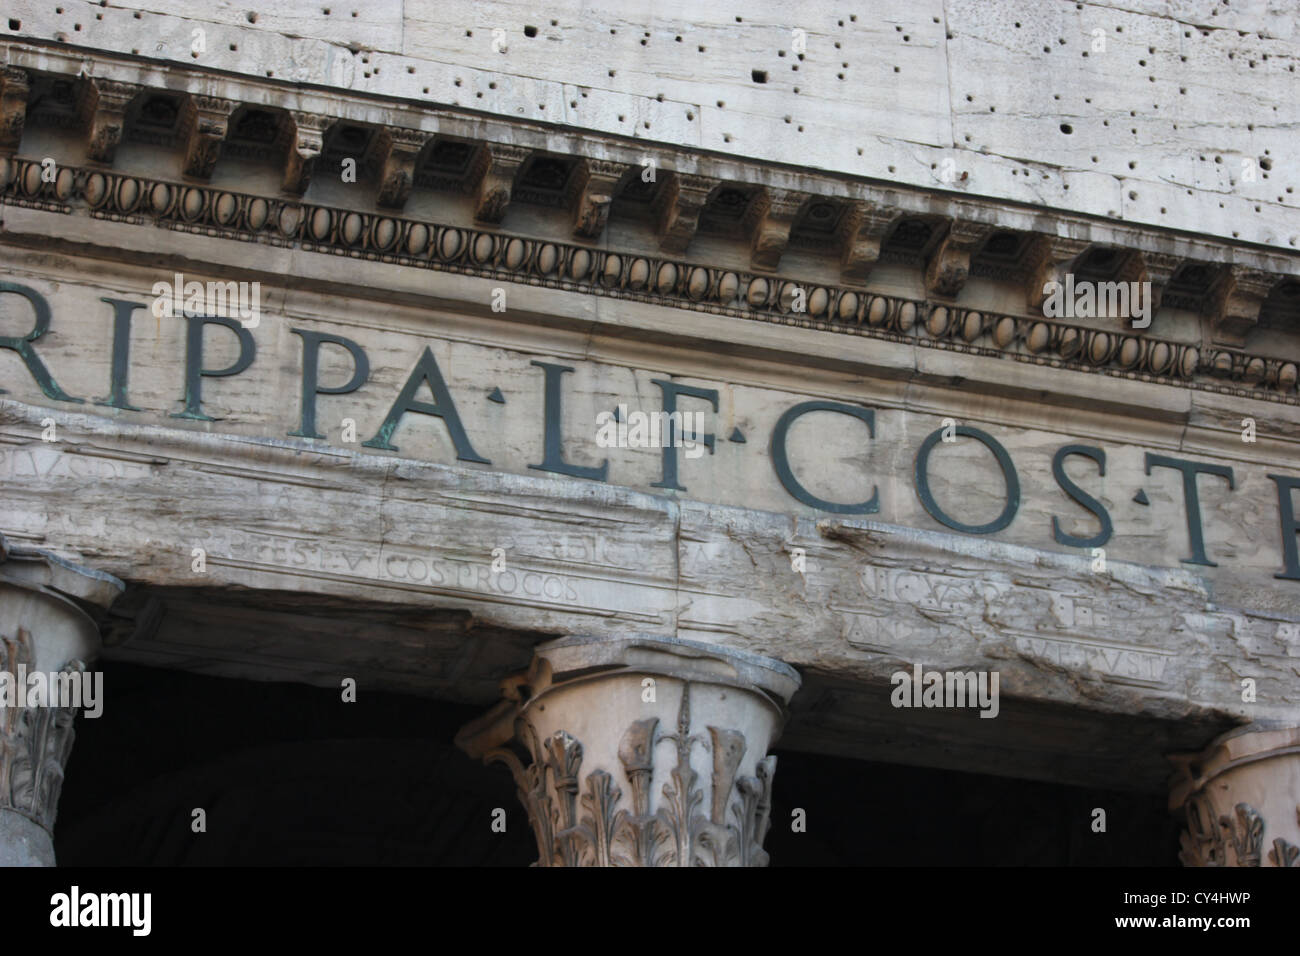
(758, 76)
(530, 32)
(1067, 129)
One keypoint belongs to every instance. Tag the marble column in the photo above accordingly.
(643, 751)
(1241, 798)
(47, 626)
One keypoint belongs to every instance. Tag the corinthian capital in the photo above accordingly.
(47, 627)
(1240, 799)
(641, 751)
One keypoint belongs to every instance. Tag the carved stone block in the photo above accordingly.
(949, 265)
(396, 151)
(611, 735)
(498, 165)
(862, 232)
(677, 210)
(595, 185)
(1238, 797)
(1048, 260)
(205, 123)
(772, 214)
(306, 140)
(13, 108)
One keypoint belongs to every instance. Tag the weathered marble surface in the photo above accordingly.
(1147, 111)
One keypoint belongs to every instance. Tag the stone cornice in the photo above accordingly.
(531, 135)
(668, 281)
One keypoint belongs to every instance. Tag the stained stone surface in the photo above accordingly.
(1177, 116)
(418, 560)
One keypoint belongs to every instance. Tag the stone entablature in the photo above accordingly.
(1143, 636)
(497, 254)
(856, 224)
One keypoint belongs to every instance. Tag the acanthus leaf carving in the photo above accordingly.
(34, 741)
(588, 821)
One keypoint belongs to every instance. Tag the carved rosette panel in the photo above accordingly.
(1240, 799)
(34, 741)
(677, 775)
